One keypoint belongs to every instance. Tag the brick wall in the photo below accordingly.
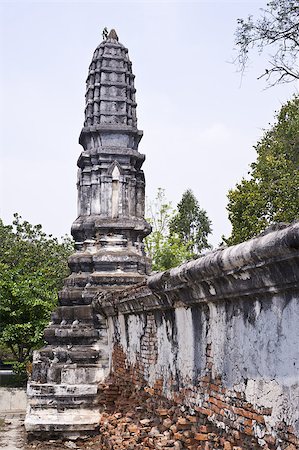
(211, 349)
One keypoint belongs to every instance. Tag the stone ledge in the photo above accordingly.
(66, 421)
(262, 266)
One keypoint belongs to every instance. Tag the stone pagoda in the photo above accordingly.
(109, 255)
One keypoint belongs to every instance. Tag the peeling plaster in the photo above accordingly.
(238, 322)
(185, 357)
(166, 363)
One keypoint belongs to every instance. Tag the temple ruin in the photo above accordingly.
(212, 343)
(109, 254)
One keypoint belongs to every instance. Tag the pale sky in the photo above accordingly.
(200, 121)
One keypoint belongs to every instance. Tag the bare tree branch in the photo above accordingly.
(277, 30)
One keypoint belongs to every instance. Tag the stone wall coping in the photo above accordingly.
(261, 266)
(278, 244)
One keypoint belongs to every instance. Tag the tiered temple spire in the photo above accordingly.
(109, 254)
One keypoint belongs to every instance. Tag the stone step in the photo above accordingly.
(85, 374)
(75, 292)
(71, 313)
(92, 324)
(72, 423)
(81, 272)
(61, 390)
(62, 373)
(83, 354)
(71, 335)
(62, 402)
(80, 315)
(75, 296)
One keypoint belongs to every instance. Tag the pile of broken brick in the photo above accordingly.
(136, 419)
(145, 421)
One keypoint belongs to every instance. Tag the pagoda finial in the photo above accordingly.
(113, 35)
(105, 34)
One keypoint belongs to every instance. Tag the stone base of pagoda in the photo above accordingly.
(69, 409)
(63, 392)
(63, 389)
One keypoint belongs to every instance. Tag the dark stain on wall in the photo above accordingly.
(200, 322)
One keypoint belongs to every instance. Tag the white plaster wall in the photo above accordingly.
(166, 354)
(132, 335)
(258, 353)
(254, 348)
(185, 356)
(236, 309)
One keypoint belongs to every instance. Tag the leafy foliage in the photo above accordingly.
(191, 224)
(171, 241)
(33, 266)
(166, 251)
(277, 30)
(272, 193)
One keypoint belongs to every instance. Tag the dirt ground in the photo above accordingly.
(13, 437)
(12, 433)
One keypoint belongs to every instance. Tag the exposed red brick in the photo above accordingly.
(201, 437)
(205, 428)
(128, 387)
(258, 418)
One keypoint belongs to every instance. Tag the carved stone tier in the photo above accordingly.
(110, 92)
(109, 254)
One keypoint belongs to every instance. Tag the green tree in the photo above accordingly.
(165, 251)
(33, 266)
(191, 224)
(171, 242)
(276, 30)
(271, 194)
